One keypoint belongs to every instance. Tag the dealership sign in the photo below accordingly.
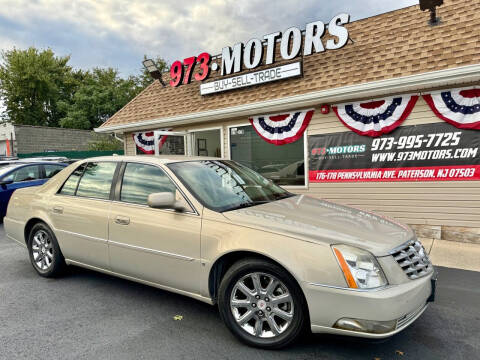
(258, 52)
(253, 78)
(430, 152)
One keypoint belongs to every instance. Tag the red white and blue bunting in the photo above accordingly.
(376, 117)
(145, 141)
(284, 128)
(459, 107)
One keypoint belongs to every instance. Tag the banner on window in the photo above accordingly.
(430, 152)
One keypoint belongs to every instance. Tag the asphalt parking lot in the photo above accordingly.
(87, 315)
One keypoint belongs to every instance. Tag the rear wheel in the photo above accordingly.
(45, 254)
(262, 304)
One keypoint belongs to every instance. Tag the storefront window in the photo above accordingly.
(168, 145)
(284, 165)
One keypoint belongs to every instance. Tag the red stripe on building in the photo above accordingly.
(427, 173)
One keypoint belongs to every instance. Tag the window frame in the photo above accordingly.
(85, 164)
(222, 138)
(116, 191)
(305, 155)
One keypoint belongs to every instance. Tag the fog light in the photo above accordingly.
(367, 326)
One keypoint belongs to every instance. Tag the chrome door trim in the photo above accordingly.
(150, 208)
(151, 251)
(81, 197)
(91, 238)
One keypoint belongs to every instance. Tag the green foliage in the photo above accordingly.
(31, 84)
(101, 94)
(39, 88)
(105, 143)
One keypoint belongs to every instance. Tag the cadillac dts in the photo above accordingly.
(273, 262)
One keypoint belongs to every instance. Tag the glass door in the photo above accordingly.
(171, 143)
(206, 142)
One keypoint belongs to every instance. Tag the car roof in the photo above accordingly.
(160, 159)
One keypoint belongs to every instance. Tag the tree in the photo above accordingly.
(32, 82)
(101, 94)
(39, 88)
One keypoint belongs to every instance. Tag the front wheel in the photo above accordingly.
(262, 304)
(45, 254)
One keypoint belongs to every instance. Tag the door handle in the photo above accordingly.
(122, 220)
(57, 209)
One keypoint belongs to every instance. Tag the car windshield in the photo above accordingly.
(226, 185)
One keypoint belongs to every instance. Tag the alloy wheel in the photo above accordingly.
(262, 305)
(42, 250)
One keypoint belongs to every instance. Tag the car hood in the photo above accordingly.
(323, 221)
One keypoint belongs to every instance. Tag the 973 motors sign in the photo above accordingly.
(257, 52)
(431, 152)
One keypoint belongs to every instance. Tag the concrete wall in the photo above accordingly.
(31, 139)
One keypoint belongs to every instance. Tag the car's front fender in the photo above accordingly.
(305, 261)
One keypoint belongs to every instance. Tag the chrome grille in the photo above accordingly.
(413, 259)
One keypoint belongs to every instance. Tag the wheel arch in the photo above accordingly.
(30, 224)
(224, 262)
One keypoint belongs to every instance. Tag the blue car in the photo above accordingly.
(20, 175)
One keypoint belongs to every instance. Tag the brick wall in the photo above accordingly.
(31, 139)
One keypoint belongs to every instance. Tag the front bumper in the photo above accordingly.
(403, 303)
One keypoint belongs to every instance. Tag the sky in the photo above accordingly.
(117, 33)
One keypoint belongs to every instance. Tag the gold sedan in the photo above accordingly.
(274, 262)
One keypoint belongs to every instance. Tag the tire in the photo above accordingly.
(248, 313)
(45, 254)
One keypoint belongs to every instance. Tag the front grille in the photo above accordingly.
(413, 259)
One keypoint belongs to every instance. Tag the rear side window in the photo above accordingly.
(27, 173)
(70, 186)
(140, 180)
(52, 170)
(97, 180)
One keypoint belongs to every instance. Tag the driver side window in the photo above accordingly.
(141, 180)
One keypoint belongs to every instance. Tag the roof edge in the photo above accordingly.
(458, 75)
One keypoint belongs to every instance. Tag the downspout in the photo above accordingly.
(119, 139)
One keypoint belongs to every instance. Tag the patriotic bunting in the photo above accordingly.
(459, 107)
(377, 117)
(281, 129)
(145, 141)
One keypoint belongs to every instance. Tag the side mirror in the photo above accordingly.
(164, 200)
(4, 183)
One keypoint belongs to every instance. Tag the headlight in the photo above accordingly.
(360, 268)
